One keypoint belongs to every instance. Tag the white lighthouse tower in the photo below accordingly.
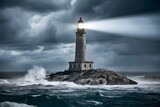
(80, 62)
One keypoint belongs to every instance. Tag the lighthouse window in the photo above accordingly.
(70, 66)
(90, 65)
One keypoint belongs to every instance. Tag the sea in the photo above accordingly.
(30, 89)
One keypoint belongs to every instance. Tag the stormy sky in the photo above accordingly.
(39, 32)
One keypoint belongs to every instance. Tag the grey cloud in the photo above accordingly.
(15, 28)
(129, 46)
(108, 56)
(86, 6)
(113, 8)
(34, 5)
(50, 59)
(140, 47)
(25, 26)
(12, 22)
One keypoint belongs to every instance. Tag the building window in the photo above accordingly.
(70, 66)
(90, 65)
(85, 65)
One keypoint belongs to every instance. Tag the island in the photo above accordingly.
(91, 77)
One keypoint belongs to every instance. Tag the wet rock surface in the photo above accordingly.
(91, 77)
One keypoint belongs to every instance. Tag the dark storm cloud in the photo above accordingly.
(116, 56)
(7, 27)
(15, 21)
(36, 5)
(19, 27)
(131, 45)
(113, 8)
(19, 60)
(86, 6)
(139, 47)
(33, 32)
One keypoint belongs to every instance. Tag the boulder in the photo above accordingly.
(91, 77)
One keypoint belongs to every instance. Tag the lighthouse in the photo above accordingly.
(80, 62)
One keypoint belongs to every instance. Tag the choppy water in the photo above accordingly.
(33, 91)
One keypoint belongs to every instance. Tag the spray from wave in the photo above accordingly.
(33, 90)
(37, 74)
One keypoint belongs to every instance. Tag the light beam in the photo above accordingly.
(142, 26)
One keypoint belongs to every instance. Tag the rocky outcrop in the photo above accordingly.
(91, 77)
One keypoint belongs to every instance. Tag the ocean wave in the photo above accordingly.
(36, 77)
(89, 102)
(94, 102)
(14, 104)
(33, 90)
(43, 100)
(144, 80)
(4, 81)
(35, 95)
(127, 100)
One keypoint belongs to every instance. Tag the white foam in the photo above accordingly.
(13, 104)
(4, 81)
(94, 102)
(37, 74)
(141, 80)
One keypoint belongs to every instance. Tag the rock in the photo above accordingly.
(91, 77)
